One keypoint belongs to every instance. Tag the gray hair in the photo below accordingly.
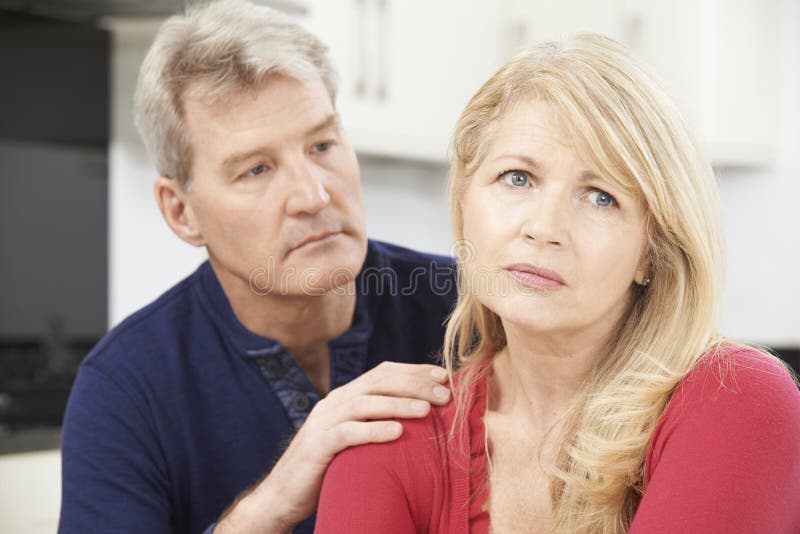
(228, 46)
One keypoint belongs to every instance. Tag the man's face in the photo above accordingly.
(275, 188)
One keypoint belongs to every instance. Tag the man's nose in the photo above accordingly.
(547, 218)
(307, 193)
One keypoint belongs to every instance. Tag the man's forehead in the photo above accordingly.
(238, 154)
(278, 108)
(222, 95)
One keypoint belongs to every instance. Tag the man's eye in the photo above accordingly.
(515, 178)
(601, 199)
(255, 171)
(322, 147)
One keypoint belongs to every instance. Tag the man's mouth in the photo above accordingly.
(317, 238)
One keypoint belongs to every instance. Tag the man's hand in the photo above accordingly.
(353, 414)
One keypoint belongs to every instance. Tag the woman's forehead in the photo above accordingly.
(532, 132)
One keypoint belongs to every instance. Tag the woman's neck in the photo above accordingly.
(536, 376)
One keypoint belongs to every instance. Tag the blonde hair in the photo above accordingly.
(227, 46)
(625, 125)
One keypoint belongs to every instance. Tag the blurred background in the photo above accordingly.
(82, 244)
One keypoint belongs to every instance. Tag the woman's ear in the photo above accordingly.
(643, 271)
(177, 211)
(641, 278)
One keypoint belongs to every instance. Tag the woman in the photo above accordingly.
(593, 393)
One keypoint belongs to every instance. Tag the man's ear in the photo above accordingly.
(172, 202)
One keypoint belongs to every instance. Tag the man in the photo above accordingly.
(189, 402)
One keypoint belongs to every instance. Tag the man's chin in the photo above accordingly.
(319, 284)
(333, 270)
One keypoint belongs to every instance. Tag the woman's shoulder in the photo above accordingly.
(733, 391)
(738, 374)
(418, 444)
(384, 487)
(726, 451)
(421, 454)
(423, 438)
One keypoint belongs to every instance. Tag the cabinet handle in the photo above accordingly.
(382, 90)
(632, 30)
(361, 54)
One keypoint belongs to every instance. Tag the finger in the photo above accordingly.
(422, 370)
(371, 407)
(418, 381)
(352, 433)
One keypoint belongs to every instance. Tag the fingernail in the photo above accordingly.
(419, 406)
(394, 429)
(438, 373)
(441, 392)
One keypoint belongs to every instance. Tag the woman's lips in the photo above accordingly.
(535, 277)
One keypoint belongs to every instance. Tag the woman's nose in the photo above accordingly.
(547, 218)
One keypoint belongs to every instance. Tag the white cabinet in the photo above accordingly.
(407, 68)
(543, 20)
(717, 58)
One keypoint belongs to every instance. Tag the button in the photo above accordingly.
(300, 402)
(273, 368)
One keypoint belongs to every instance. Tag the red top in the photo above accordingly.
(724, 458)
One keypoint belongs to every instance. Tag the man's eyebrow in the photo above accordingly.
(234, 159)
(329, 122)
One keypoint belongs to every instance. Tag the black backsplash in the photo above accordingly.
(54, 136)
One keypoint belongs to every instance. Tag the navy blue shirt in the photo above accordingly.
(180, 408)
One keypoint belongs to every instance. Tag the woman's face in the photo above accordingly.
(554, 246)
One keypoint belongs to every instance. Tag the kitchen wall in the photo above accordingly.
(762, 219)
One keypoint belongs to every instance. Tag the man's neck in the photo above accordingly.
(303, 324)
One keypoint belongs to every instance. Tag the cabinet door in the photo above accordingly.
(407, 68)
(544, 20)
(719, 60)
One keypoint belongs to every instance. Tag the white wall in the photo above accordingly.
(145, 257)
(30, 493)
(762, 218)
(405, 203)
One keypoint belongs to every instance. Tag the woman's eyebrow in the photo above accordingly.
(524, 158)
(586, 175)
(591, 176)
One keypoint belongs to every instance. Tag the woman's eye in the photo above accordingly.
(602, 199)
(515, 178)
